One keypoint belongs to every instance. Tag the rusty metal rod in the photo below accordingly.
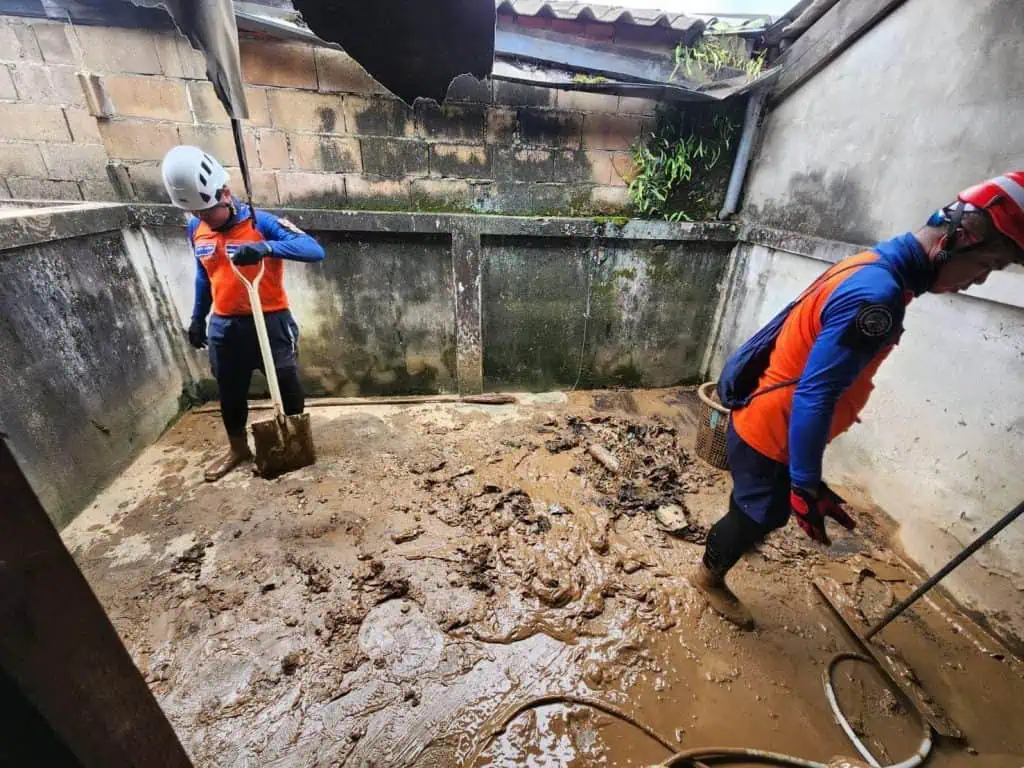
(948, 568)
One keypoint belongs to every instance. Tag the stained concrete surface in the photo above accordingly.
(90, 370)
(858, 154)
(442, 564)
(592, 312)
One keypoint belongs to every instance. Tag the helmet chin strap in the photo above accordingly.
(953, 220)
(230, 205)
(954, 217)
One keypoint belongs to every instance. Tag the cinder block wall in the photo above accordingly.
(321, 131)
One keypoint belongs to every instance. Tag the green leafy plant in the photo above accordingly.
(710, 56)
(672, 168)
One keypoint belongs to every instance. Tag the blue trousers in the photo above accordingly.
(235, 354)
(758, 505)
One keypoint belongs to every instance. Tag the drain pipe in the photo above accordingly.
(755, 108)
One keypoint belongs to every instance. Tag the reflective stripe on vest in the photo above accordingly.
(213, 248)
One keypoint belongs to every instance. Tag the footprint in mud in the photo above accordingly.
(408, 644)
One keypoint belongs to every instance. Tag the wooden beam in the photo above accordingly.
(59, 649)
(822, 44)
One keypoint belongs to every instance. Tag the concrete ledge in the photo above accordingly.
(440, 223)
(21, 227)
(1005, 287)
(829, 251)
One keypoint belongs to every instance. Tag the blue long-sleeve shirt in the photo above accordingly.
(841, 351)
(286, 241)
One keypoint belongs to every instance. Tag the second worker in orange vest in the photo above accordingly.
(804, 378)
(224, 230)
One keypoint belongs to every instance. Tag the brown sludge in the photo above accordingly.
(439, 567)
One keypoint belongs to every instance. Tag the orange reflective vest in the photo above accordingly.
(214, 248)
(764, 422)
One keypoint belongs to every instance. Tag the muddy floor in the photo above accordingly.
(443, 564)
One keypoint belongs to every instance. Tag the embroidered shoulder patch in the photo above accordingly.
(205, 250)
(872, 328)
(875, 321)
(290, 227)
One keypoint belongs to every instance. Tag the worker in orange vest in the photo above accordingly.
(223, 228)
(804, 378)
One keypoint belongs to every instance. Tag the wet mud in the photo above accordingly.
(441, 565)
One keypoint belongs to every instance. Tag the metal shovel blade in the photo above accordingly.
(283, 445)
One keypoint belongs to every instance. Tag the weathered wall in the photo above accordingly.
(321, 132)
(381, 314)
(90, 369)
(923, 105)
(597, 312)
(377, 317)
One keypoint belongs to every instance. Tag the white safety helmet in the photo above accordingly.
(192, 178)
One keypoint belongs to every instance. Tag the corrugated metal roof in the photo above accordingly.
(609, 14)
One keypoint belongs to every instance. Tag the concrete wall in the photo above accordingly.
(430, 303)
(925, 104)
(93, 300)
(597, 313)
(91, 369)
(321, 131)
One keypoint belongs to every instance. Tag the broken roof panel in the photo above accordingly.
(609, 14)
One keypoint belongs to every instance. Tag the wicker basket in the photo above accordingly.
(712, 428)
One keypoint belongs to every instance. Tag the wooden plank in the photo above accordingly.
(820, 45)
(60, 650)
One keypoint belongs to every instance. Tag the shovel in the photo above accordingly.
(283, 443)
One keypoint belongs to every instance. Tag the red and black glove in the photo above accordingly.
(811, 511)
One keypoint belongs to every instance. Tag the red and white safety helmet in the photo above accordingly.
(1002, 198)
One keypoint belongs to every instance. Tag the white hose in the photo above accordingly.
(911, 762)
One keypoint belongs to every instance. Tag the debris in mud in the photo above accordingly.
(410, 694)
(390, 589)
(593, 674)
(560, 444)
(368, 569)
(291, 662)
(516, 506)
(605, 457)
(430, 482)
(190, 562)
(315, 576)
(477, 568)
(407, 534)
(672, 518)
(631, 566)
(343, 622)
(593, 606)
(639, 468)
(428, 466)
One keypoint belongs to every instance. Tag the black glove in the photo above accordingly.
(251, 254)
(812, 510)
(197, 333)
